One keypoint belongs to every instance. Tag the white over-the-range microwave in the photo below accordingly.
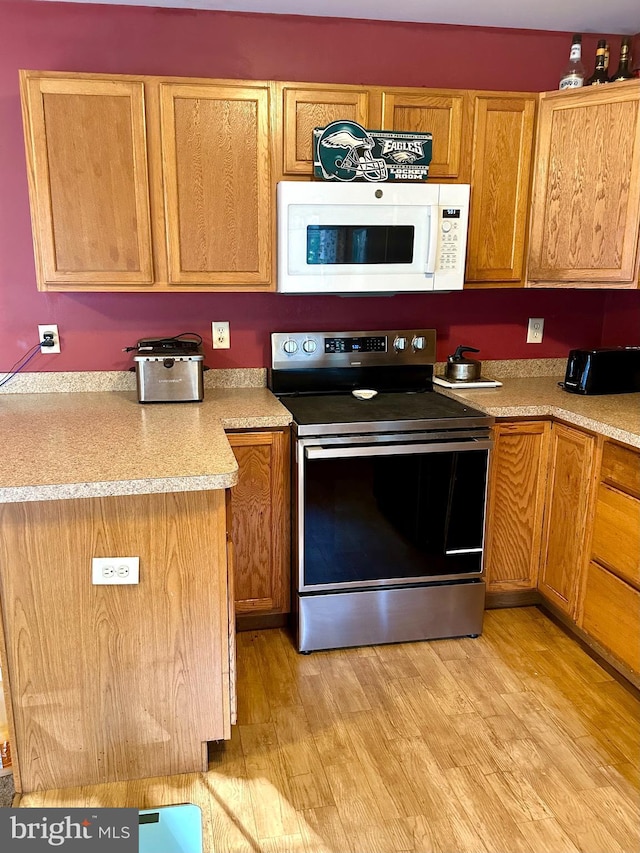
(371, 238)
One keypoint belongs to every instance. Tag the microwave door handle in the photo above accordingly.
(433, 240)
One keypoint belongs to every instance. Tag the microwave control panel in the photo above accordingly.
(451, 239)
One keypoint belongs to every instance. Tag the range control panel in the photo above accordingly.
(300, 350)
(370, 343)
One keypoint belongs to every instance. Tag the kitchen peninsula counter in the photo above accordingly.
(95, 444)
(616, 416)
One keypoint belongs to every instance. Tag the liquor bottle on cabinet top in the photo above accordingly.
(599, 75)
(624, 71)
(573, 75)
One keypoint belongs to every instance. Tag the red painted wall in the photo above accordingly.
(120, 39)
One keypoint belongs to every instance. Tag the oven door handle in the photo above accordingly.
(394, 449)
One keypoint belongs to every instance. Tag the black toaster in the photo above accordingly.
(613, 370)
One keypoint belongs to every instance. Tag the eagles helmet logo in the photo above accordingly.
(346, 151)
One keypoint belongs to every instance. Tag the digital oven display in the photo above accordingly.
(451, 213)
(376, 343)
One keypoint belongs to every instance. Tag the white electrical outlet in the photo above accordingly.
(220, 334)
(49, 329)
(115, 570)
(535, 330)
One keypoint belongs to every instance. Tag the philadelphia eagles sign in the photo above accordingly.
(345, 151)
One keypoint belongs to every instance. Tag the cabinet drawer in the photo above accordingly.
(611, 615)
(616, 534)
(621, 468)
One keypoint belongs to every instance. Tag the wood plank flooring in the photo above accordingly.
(515, 742)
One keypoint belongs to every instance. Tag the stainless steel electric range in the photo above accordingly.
(389, 490)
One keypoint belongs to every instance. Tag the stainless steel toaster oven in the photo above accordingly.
(169, 378)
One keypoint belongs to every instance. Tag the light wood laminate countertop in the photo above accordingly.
(614, 415)
(91, 444)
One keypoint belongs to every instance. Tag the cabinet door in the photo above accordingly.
(569, 507)
(260, 522)
(215, 150)
(439, 113)
(516, 505)
(611, 615)
(502, 147)
(88, 182)
(304, 108)
(616, 534)
(585, 215)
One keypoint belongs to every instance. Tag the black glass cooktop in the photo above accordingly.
(343, 413)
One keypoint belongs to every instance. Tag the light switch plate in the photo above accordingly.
(116, 571)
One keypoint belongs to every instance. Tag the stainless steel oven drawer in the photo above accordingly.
(397, 615)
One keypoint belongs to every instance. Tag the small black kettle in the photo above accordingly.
(460, 368)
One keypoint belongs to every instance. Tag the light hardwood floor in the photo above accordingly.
(515, 741)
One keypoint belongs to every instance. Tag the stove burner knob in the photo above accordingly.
(418, 343)
(400, 344)
(310, 345)
(290, 346)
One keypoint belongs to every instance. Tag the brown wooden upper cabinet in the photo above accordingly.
(441, 113)
(140, 183)
(88, 181)
(217, 190)
(303, 106)
(585, 216)
(501, 146)
(485, 138)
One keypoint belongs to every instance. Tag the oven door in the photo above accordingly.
(387, 512)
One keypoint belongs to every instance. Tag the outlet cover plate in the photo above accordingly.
(220, 334)
(535, 330)
(115, 570)
(51, 329)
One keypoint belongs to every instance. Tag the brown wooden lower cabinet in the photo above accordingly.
(515, 510)
(563, 524)
(609, 608)
(611, 615)
(260, 522)
(567, 516)
(107, 683)
(5, 746)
